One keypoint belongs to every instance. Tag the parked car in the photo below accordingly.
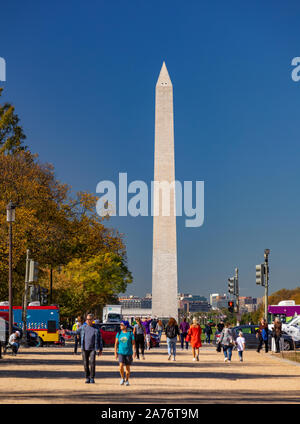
(250, 331)
(110, 330)
(33, 338)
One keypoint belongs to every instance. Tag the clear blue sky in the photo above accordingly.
(82, 76)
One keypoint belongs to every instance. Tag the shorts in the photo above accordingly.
(125, 359)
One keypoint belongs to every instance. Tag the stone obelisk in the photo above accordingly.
(164, 261)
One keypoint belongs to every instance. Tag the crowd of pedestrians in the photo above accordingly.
(132, 340)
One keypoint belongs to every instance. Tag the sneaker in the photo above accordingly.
(143, 357)
(126, 383)
(169, 357)
(194, 359)
(87, 380)
(241, 360)
(174, 359)
(92, 380)
(225, 359)
(122, 381)
(229, 361)
(197, 358)
(137, 359)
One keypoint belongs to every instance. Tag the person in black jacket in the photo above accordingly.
(220, 326)
(172, 332)
(208, 332)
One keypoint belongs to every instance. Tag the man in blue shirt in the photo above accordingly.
(91, 341)
(124, 345)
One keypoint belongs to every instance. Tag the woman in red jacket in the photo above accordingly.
(194, 336)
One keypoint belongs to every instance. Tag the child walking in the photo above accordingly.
(240, 343)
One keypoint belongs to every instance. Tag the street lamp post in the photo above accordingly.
(266, 255)
(10, 217)
(25, 300)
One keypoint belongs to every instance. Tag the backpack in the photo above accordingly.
(264, 334)
(171, 332)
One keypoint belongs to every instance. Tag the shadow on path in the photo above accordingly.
(160, 396)
(49, 374)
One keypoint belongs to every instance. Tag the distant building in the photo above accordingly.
(192, 303)
(219, 301)
(134, 306)
(248, 304)
(134, 302)
(195, 306)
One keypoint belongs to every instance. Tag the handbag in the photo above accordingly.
(218, 347)
(188, 338)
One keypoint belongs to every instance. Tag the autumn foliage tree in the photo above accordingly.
(11, 133)
(62, 231)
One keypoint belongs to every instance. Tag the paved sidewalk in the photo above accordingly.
(55, 375)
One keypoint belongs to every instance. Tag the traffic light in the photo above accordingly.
(260, 274)
(230, 306)
(33, 271)
(34, 293)
(44, 296)
(232, 285)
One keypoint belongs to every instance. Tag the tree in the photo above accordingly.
(285, 294)
(85, 286)
(11, 133)
(57, 228)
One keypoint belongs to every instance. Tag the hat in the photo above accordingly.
(18, 333)
(125, 323)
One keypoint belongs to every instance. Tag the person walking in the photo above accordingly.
(263, 335)
(76, 326)
(194, 335)
(277, 333)
(241, 343)
(139, 333)
(208, 333)
(14, 342)
(172, 332)
(184, 328)
(159, 328)
(91, 342)
(227, 342)
(147, 324)
(124, 346)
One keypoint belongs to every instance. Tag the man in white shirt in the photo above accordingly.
(14, 341)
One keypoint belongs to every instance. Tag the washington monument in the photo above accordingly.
(164, 260)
